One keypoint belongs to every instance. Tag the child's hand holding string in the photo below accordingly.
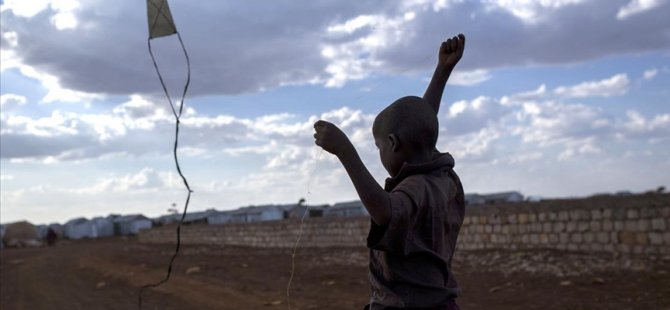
(331, 138)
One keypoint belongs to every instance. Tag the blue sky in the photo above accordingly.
(555, 98)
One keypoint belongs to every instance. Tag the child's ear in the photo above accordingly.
(394, 142)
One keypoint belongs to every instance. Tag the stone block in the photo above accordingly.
(504, 229)
(643, 225)
(642, 238)
(562, 247)
(607, 213)
(560, 226)
(649, 212)
(466, 220)
(497, 228)
(564, 238)
(563, 215)
(546, 227)
(544, 238)
(619, 213)
(596, 214)
(488, 228)
(512, 218)
(570, 226)
(532, 217)
(666, 237)
(553, 216)
(627, 237)
(630, 225)
(524, 238)
(608, 225)
(609, 247)
(618, 225)
(603, 237)
(596, 247)
(582, 226)
(595, 226)
(523, 218)
(522, 228)
(584, 247)
(632, 214)
(638, 249)
(553, 238)
(589, 237)
(573, 247)
(534, 239)
(665, 212)
(542, 216)
(576, 238)
(655, 238)
(658, 224)
(624, 248)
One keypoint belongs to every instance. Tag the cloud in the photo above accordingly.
(469, 78)
(650, 74)
(287, 43)
(616, 85)
(636, 7)
(7, 100)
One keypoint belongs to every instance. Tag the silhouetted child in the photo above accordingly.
(416, 217)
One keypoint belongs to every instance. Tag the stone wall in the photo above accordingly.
(630, 224)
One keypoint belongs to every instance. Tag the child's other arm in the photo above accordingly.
(450, 53)
(373, 196)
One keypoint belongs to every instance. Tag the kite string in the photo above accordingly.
(317, 157)
(176, 159)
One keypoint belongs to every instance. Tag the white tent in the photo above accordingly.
(80, 228)
(103, 226)
(131, 224)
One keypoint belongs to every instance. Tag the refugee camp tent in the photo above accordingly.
(21, 234)
(103, 226)
(351, 208)
(220, 217)
(257, 214)
(80, 228)
(504, 197)
(131, 224)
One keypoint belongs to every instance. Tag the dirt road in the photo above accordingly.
(107, 274)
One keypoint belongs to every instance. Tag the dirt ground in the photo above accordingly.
(107, 274)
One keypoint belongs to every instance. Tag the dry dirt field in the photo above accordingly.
(106, 274)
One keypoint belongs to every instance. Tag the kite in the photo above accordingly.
(161, 24)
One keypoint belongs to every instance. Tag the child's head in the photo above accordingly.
(403, 131)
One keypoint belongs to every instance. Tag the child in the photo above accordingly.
(417, 216)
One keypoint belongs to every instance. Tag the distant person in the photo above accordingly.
(52, 237)
(416, 217)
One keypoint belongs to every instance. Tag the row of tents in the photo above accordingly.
(25, 234)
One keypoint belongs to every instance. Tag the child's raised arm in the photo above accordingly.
(450, 53)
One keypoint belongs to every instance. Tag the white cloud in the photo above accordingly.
(327, 43)
(637, 6)
(616, 85)
(6, 177)
(11, 99)
(147, 179)
(469, 78)
(55, 92)
(529, 11)
(650, 74)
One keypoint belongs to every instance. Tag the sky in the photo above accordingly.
(553, 98)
